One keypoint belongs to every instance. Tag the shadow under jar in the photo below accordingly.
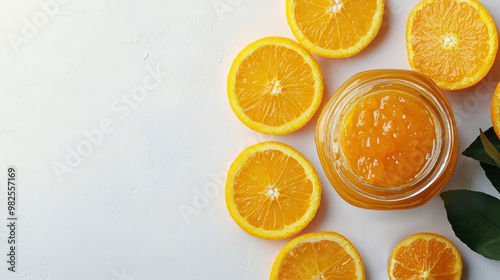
(387, 140)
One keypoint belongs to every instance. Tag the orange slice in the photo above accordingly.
(275, 86)
(425, 256)
(272, 191)
(318, 256)
(495, 111)
(454, 42)
(335, 28)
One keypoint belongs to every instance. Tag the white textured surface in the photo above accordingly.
(118, 214)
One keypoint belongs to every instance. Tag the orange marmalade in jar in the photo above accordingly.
(387, 140)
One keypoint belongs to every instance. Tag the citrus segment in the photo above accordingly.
(335, 28)
(454, 42)
(495, 111)
(275, 86)
(425, 256)
(314, 256)
(272, 191)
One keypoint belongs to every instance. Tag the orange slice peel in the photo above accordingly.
(335, 28)
(319, 256)
(425, 256)
(272, 191)
(275, 86)
(454, 42)
(495, 111)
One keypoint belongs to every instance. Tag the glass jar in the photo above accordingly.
(433, 175)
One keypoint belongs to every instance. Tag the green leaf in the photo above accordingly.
(493, 174)
(475, 219)
(489, 148)
(476, 149)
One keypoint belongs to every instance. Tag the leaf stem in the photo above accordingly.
(489, 148)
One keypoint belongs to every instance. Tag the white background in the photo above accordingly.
(134, 206)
